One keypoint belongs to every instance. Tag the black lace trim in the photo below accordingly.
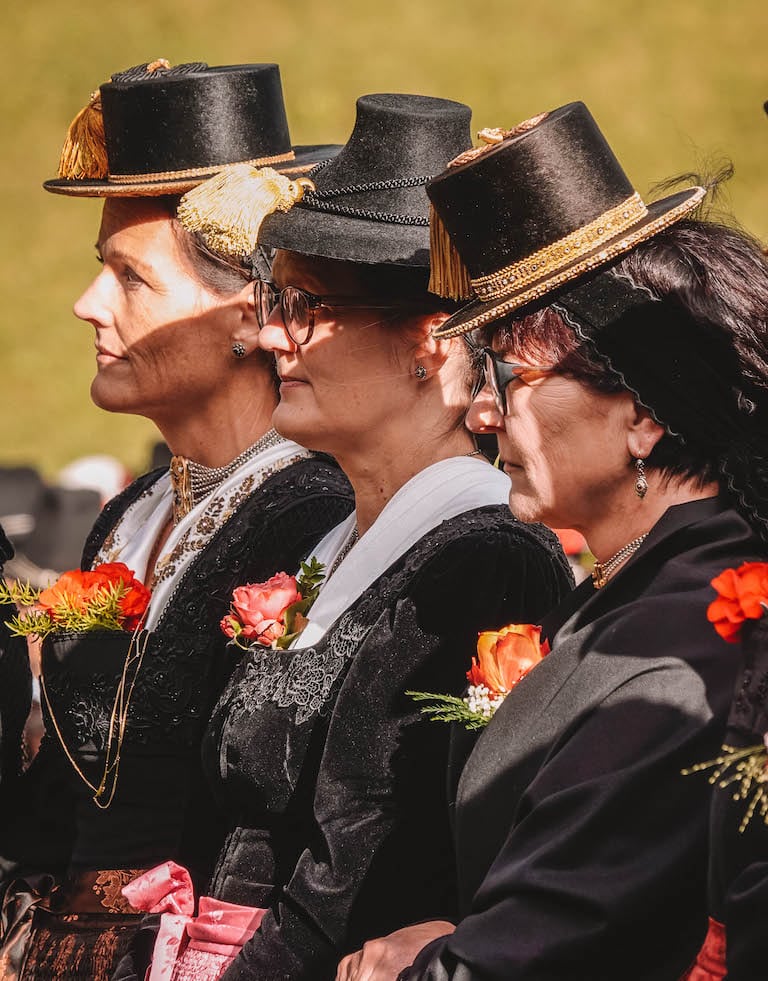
(307, 680)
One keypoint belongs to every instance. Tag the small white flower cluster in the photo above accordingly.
(482, 700)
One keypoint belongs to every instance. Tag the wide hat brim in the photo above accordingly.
(316, 233)
(660, 215)
(305, 158)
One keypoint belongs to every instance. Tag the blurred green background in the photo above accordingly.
(674, 85)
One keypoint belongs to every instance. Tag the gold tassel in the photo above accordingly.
(84, 155)
(448, 276)
(228, 209)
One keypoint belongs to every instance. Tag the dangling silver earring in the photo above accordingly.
(420, 372)
(238, 349)
(641, 484)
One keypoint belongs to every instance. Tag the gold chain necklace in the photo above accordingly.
(117, 723)
(602, 571)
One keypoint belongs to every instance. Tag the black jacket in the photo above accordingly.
(162, 808)
(582, 850)
(15, 693)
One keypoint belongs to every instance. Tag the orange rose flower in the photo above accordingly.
(742, 595)
(75, 587)
(79, 588)
(505, 656)
(134, 602)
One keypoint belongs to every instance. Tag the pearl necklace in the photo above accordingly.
(192, 482)
(602, 571)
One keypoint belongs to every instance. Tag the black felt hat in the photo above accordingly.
(532, 211)
(369, 203)
(155, 130)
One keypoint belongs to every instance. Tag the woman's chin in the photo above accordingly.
(295, 425)
(525, 508)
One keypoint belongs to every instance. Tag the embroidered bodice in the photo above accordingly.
(329, 775)
(161, 808)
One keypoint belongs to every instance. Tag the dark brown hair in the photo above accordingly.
(719, 276)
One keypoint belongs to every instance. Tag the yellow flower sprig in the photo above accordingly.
(102, 612)
(748, 770)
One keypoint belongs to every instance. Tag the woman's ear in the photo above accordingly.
(246, 329)
(429, 352)
(643, 432)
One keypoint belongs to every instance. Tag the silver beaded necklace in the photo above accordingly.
(192, 482)
(344, 551)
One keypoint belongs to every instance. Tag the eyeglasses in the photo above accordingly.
(491, 367)
(297, 307)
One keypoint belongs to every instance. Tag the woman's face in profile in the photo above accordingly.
(563, 446)
(161, 345)
(341, 385)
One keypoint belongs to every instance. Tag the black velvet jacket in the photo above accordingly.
(582, 850)
(739, 858)
(162, 808)
(15, 694)
(335, 781)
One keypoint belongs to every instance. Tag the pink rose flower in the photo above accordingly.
(259, 608)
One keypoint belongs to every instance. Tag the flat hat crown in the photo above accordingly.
(530, 190)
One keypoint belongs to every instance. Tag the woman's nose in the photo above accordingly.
(273, 336)
(483, 415)
(93, 305)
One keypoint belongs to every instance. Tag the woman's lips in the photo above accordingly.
(104, 357)
(288, 383)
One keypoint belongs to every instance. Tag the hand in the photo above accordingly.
(385, 958)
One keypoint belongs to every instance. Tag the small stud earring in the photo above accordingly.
(641, 484)
(238, 349)
(420, 372)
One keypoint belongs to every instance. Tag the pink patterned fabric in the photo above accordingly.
(167, 888)
(190, 948)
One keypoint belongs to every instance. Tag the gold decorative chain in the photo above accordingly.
(118, 722)
(602, 571)
(200, 171)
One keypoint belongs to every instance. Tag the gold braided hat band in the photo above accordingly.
(201, 171)
(565, 251)
(511, 300)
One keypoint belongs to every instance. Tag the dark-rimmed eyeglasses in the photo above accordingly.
(498, 373)
(297, 307)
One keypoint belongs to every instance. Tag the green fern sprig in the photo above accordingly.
(449, 708)
(20, 593)
(101, 613)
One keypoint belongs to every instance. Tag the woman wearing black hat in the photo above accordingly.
(626, 358)
(336, 782)
(117, 786)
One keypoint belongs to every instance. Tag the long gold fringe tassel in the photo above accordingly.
(84, 154)
(448, 276)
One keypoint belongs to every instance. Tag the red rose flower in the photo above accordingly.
(135, 600)
(505, 656)
(742, 595)
(258, 609)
